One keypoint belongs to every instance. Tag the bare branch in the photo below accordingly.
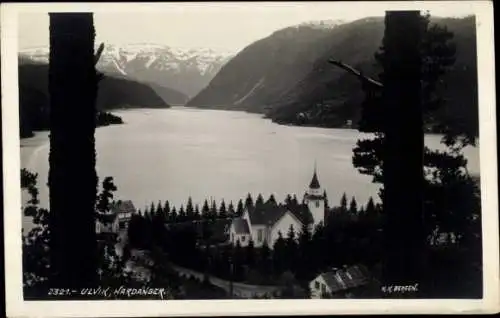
(357, 73)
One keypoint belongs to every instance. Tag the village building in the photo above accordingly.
(116, 220)
(339, 282)
(266, 222)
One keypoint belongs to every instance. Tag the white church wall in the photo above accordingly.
(283, 226)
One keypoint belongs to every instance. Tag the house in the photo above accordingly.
(106, 225)
(111, 223)
(264, 222)
(124, 211)
(339, 282)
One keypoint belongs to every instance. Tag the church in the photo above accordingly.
(265, 222)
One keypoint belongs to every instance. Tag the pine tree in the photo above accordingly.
(370, 207)
(239, 259)
(326, 199)
(248, 201)
(291, 248)
(166, 211)
(239, 209)
(318, 246)
(343, 203)
(213, 211)
(230, 209)
(259, 201)
(279, 255)
(353, 207)
(222, 210)
(250, 254)
(288, 200)
(264, 259)
(159, 209)
(295, 201)
(173, 216)
(189, 210)
(272, 199)
(205, 211)
(182, 214)
(197, 215)
(304, 251)
(152, 209)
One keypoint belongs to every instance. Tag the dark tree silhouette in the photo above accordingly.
(197, 215)
(248, 201)
(166, 211)
(190, 209)
(174, 216)
(205, 211)
(239, 208)
(291, 248)
(222, 210)
(73, 84)
(152, 209)
(250, 254)
(305, 262)
(159, 209)
(403, 147)
(230, 209)
(272, 199)
(353, 207)
(213, 210)
(260, 200)
(343, 203)
(370, 207)
(279, 255)
(182, 214)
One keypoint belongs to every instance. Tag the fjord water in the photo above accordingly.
(171, 154)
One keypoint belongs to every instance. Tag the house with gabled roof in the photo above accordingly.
(264, 222)
(116, 220)
(339, 282)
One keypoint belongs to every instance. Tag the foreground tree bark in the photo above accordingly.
(72, 175)
(403, 145)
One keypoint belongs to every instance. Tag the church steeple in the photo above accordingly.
(314, 182)
(315, 199)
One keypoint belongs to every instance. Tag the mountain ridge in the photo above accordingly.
(186, 70)
(287, 74)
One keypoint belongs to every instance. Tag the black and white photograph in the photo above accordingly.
(308, 157)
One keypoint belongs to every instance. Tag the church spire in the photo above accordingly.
(314, 182)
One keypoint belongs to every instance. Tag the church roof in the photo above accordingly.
(241, 226)
(269, 213)
(265, 214)
(314, 182)
(301, 212)
(343, 279)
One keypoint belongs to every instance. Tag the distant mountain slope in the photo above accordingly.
(113, 93)
(184, 70)
(288, 73)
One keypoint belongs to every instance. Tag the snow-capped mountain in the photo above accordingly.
(187, 70)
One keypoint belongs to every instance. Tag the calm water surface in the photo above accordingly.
(175, 153)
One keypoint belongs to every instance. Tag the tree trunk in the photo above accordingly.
(403, 148)
(72, 175)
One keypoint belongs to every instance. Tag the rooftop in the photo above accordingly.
(347, 278)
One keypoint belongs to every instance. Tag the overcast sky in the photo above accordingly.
(228, 26)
